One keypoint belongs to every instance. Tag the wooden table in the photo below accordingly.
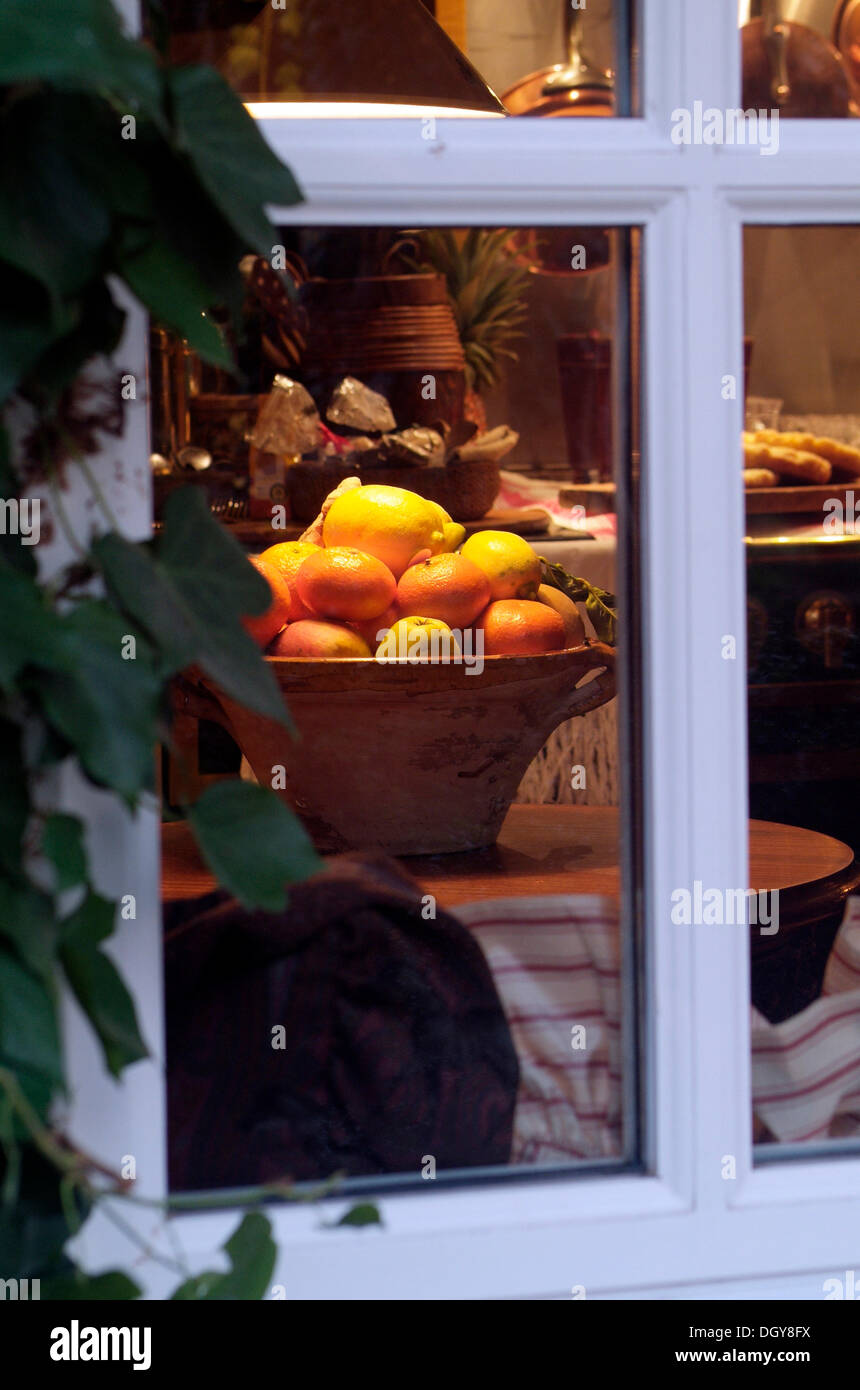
(545, 850)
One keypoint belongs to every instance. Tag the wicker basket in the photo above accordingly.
(467, 491)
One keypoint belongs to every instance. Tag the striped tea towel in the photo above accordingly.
(555, 964)
(806, 1070)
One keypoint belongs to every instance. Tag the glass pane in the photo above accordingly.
(802, 455)
(414, 57)
(801, 57)
(455, 996)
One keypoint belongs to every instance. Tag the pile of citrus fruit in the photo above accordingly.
(394, 565)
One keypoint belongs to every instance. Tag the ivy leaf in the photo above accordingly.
(97, 985)
(28, 1022)
(75, 43)
(232, 160)
(362, 1214)
(112, 1285)
(252, 1254)
(34, 1230)
(13, 555)
(600, 605)
(97, 329)
(15, 799)
(27, 922)
(189, 595)
(26, 625)
(63, 845)
(38, 174)
(252, 842)
(106, 706)
(170, 288)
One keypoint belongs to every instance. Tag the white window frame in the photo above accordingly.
(679, 1229)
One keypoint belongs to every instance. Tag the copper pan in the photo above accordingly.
(576, 87)
(792, 68)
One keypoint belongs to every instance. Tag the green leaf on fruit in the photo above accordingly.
(600, 605)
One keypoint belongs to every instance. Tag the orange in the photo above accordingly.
(346, 584)
(448, 587)
(264, 626)
(288, 557)
(312, 637)
(521, 627)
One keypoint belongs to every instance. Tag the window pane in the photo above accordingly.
(481, 57)
(801, 57)
(455, 996)
(802, 453)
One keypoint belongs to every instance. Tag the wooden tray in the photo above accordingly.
(762, 501)
(526, 521)
(598, 498)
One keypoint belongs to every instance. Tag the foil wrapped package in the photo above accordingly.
(356, 407)
(288, 422)
(418, 446)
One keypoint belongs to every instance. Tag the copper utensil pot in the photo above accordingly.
(573, 88)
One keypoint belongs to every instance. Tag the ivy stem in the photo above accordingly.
(92, 481)
(62, 515)
(63, 1159)
(136, 1239)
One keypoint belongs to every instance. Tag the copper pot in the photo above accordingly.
(792, 67)
(573, 88)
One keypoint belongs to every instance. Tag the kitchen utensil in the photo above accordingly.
(576, 87)
(792, 67)
(195, 458)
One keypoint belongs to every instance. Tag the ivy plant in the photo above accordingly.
(115, 169)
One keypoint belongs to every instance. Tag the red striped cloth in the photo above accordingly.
(555, 962)
(556, 968)
(806, 1071)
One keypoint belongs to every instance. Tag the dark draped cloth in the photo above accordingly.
(350, 1033)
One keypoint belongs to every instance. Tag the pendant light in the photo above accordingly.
(331, 58)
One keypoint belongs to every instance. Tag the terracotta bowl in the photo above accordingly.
(409, 759)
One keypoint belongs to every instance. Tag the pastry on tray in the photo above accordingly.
(844, 460)
(798, 465)
(760, 477)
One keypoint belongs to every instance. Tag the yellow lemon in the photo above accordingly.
(452, 532)
(388, 522)
(509, 563)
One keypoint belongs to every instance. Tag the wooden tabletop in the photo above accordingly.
(545, 850)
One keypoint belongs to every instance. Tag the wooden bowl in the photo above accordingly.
(408, 759)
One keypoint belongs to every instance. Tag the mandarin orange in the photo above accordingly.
(264, 626)
(521, 627)
(448, 587)
(345, 584)
(288, 557)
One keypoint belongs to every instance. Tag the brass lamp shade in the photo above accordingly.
(329, 57)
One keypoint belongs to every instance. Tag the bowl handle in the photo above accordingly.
(584, 698)
(189, 697)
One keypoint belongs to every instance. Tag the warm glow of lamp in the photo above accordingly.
(330, 58)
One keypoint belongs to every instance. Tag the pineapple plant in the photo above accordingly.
(486, 286)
